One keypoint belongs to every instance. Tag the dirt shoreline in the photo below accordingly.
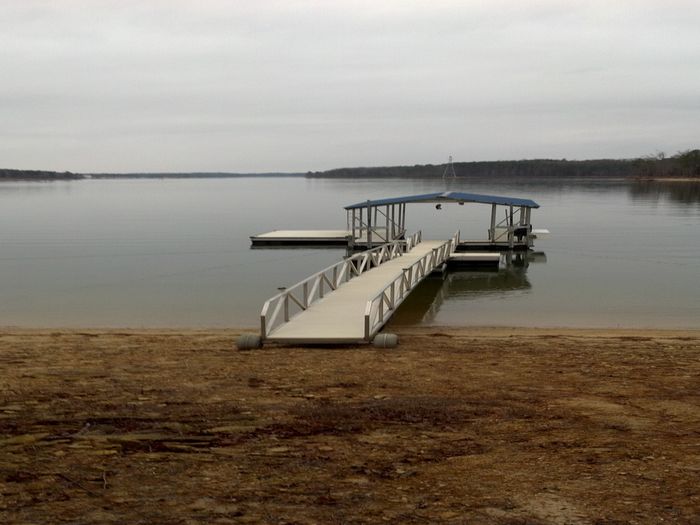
(471, 425)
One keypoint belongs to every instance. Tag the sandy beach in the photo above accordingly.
(494, 426)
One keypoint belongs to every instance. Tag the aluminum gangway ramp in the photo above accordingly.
(350, 301)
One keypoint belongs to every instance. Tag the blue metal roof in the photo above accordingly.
(448, 196)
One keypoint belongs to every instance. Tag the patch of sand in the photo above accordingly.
(483, 425)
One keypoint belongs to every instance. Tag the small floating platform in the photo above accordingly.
(488, 246)
(302, 238)
(315, 238)
(468, 261)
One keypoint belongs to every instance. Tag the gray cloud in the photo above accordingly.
(301, 85)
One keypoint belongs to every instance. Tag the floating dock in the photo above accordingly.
(352, 300)
(313, 238)
(375, 222)
(302, 237)
(474, 260)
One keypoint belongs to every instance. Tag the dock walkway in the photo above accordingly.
(362, 293)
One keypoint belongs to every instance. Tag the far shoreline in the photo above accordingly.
(494, 179)
(685, 165)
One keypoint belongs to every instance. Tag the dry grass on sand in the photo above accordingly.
(489, 426)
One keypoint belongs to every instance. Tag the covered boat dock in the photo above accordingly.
(384, 220)
(372, 223)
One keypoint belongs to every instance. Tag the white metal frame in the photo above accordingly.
(284, 306)
(514, 220)
(368, 220)
(385, 303)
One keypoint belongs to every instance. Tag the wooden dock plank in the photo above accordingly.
(339, 317)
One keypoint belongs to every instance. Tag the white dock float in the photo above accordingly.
(316, 237)
(468, 260)
(284, 237)
(350, 301)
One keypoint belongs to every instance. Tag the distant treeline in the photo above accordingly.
(29, 175)
(195, 175)
(38, 175)
(683, 164)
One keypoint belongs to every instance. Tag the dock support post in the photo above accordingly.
(403, 218)
(387, 233)
(510, 227)
(492, 230)
(528, 237)
(369, 226)
(353, 224)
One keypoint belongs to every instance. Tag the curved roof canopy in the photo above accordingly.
(448, 196)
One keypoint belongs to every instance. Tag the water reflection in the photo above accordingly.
(26, 189)
(681, 192)
(176, 252)
(424, 303)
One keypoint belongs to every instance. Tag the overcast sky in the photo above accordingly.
(89, 85)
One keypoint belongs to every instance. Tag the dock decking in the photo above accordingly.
(314, 238)
(362, 293)
(303, 237)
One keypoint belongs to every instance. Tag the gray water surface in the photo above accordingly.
(176, 252)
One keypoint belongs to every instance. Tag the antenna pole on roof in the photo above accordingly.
(449, 172)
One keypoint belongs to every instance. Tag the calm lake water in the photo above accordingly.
(170, 253)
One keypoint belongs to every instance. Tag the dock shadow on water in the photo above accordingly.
(423, 304)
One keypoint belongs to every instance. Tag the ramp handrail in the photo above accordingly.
(384, 304)
(413, 240)
(298, 297)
